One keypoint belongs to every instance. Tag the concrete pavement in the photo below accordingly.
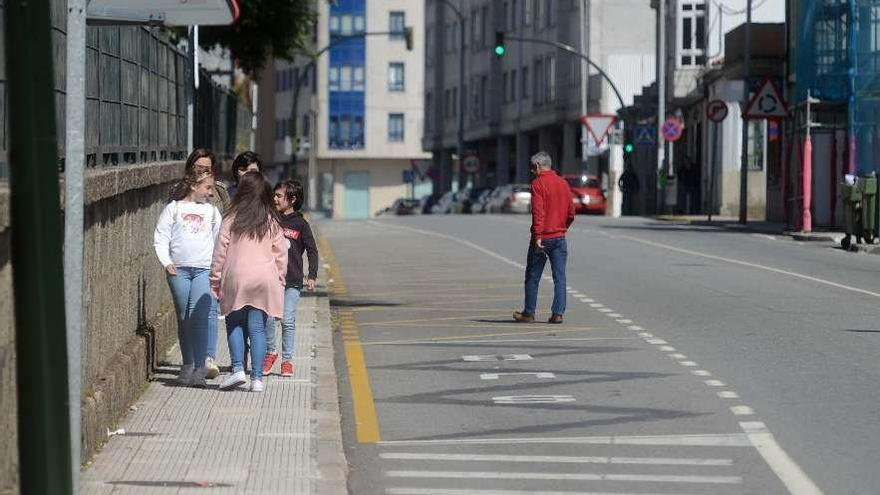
(285, 440)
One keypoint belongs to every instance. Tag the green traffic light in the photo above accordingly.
(499, 50)
(628, 148)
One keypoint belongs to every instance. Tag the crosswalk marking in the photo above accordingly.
(661, 461)
(705, 440)
(495, 376)
(496, 475)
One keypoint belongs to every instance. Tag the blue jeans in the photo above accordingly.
(557, 251)
(212, 328)
(253, 321)
(192, 301)
(288, 326)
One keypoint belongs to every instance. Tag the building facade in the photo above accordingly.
(357, 113)
(532, 97)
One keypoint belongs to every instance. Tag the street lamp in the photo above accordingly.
(461, 96)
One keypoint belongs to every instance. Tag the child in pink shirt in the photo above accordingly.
(248, 273)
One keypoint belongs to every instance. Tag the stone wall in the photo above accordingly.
(128, 315)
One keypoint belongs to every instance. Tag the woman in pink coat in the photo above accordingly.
(247, 274)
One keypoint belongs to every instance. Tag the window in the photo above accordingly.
(360, 24)
(756, 145)
(527, 12)
(395, 76)
(484, 87)
(306, 126)
(506, 12)
(487, 27)
(537, 80)
(395, 127)
(296, 77)
(548, 12)
(447, 106)
(692, 33)
(333, 79)
(345, 78)
(525, 83)
(334, 131)
(345, 26)
(513, 85)
(513, 10)
(358, 84)
(334, 24)
(429, 111)
(540, 13)
(505, 87)
(454, 102)
(357, 136)
(397, 24)
(551, 78)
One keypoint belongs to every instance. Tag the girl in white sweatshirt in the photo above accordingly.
(184, 242)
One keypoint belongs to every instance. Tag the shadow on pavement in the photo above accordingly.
(361, 303)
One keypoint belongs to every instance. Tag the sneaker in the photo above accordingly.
(520, 317)
(555, 319)
(233, 381)
(269, 361)
(213, 369)
(257, 386)
(286, 368)
(186, 375)
(198, 378)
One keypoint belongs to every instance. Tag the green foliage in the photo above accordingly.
(265, 29)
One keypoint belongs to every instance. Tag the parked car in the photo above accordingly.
(402, 206)
(587, 194)
(495, 201)
(445, 203)
(518, 200)
(467, 198)
(428, 201)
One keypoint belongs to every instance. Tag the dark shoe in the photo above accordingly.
(523, 317)
(555, 319)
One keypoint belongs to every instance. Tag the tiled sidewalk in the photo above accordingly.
(188, 440)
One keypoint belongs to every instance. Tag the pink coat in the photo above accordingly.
(249, 272)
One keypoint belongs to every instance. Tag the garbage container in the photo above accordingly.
(859, 206)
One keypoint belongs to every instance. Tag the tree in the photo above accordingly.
(265, 29)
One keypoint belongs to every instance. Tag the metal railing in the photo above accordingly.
(135, 99)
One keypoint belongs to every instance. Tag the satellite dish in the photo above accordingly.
(163, 12)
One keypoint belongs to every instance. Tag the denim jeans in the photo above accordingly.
(288, 326)
(212, 327)
(557, 251)
(192, 301)
(253, 322)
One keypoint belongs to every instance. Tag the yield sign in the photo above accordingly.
(767, 103)
(599, 125)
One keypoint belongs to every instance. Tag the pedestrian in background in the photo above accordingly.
(246, 161)
(248, 273)
(184, 243)
(203, 160)
(288, 201)
(552, 214)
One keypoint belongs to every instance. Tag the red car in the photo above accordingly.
(586, 194)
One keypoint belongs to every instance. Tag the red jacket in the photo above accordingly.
(552, 207)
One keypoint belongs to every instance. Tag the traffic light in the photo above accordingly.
(499, 44)
(408, 37)
(628, 147)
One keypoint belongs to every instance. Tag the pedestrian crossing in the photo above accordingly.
(668, 465)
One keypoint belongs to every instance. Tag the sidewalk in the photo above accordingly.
(758, 227)
(285, 440)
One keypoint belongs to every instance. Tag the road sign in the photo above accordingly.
(599, 126)
(645, 135)
(767, 103)
(471, 163)
(672, 129)
(716, 110)
(407, 176)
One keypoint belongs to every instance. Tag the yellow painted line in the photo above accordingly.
(366, 422)
(421, 320)
(477, 336)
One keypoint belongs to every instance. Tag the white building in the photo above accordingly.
(366, 97)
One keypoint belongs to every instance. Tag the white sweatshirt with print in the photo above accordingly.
(185, 234)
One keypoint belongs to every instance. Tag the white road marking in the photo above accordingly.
(487, 339)
(666, 348)
(794, 478)
(701, 373)
(714, 383)
(656, 341)
(678, 356)
(496, 357)
(742, 410)
(624, 322)
(495, 475)
(728, 394)
(614, 315)
(586, 300)
(687, 363)
(495, 376)
(492, 491)
(659, 461)
(532, 399)
(604, 310)
(597, 305)
(635, 327)
(646, 335)
(703, 440)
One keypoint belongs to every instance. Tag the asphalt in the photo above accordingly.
(784, 331)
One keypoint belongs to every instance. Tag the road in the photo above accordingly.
(692, 360)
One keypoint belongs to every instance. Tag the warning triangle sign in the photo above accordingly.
(599, 125)
(767, 103)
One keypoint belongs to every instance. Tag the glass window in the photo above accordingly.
(334, 24)
(396, 24)
(527, 12)
(360, 24)
(525, 83)
(358, 84)
(358, 132)
(514, 6)
(691, 43)
(346, 25)
(396, 76)
(334, 131)
(345, 130)
(454, 102)
(345, 78)
(756, 145)
(505, 87)
(513, 85)
(306, 126)
(395, 127)
(333, 79)
(551, 79)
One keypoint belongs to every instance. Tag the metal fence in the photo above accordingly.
(135, 98)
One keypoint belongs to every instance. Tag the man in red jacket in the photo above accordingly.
(552, 214)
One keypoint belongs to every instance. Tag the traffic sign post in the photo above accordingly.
(599, 126)
(645, 135)
(716, 110)
(672, 129)
(767, 103)
(471, 162)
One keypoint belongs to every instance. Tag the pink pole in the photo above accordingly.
(852, 155)
(807, 183)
